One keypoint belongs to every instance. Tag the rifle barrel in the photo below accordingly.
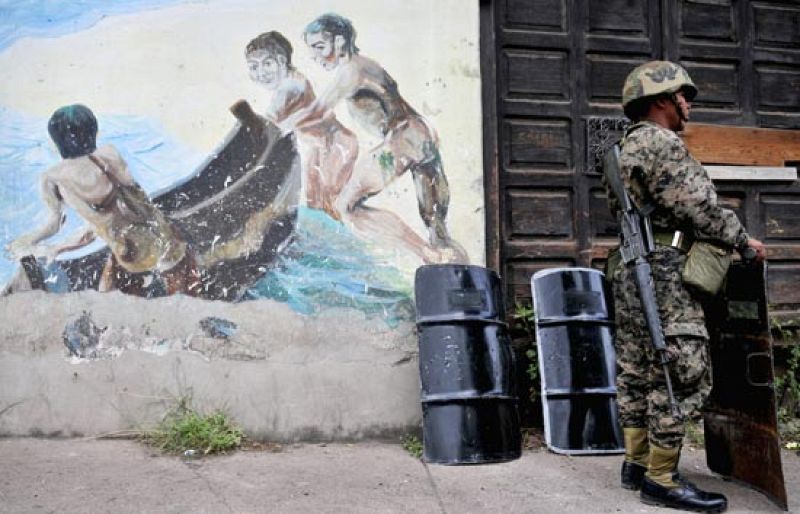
(649, 306)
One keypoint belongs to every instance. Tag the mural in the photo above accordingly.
(273, 160)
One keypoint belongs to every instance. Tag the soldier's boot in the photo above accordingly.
(663, 486)
(637, 451)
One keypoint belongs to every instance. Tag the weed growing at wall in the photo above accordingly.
(412, 445)
(787, 387)
(524, 318)
(185, 431)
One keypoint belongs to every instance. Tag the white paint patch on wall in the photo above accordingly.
(282, 376)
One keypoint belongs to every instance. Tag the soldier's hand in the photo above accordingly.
(757, 247)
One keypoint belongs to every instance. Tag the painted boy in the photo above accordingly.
(408, 143)
(328, 148)
(96, 184)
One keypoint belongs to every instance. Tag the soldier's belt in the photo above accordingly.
(676, 239)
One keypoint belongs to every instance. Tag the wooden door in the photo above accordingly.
(553, 73)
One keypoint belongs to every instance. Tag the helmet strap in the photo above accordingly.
(678, 109)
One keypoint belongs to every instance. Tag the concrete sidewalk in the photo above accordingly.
(121, 476)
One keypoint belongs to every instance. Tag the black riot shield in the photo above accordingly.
(741, 427)
(469, 402)
(576, 362)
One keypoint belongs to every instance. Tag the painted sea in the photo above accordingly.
(46, 18)
(324, 265)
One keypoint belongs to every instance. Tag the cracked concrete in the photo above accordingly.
(80, 475)
(125, 361)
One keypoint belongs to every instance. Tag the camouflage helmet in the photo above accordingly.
(654, 78)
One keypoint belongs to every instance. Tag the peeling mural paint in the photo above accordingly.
(214, 338)
(82, 336)
(239, 206)
(304, 206)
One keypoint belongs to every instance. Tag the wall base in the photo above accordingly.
(91, 363)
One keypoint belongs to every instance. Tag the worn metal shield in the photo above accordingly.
(741, 426)
(466, 364)
(574, 335)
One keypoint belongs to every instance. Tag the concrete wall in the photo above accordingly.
(321, 343)
(282, 376)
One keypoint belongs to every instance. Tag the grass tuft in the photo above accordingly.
(412, 445)
(183, 429)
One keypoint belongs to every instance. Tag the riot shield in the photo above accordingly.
(576, 362)
(469, 402)
(741, 426)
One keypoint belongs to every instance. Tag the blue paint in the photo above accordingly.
(327, 266)
(155, 159)
(50, 18)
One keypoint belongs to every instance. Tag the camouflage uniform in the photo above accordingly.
(657, 169)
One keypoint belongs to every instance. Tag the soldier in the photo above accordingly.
(659, 172)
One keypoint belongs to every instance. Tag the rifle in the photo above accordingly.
(636, 244)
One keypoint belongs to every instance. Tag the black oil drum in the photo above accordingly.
(577, 364)
(469, 406)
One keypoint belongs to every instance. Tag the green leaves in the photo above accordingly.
(184, 429)
(524, 318)
(412, 445)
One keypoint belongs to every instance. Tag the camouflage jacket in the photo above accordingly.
(658, 169)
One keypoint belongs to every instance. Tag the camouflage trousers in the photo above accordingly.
(642, 396)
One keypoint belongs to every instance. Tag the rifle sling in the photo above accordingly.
(612, 174)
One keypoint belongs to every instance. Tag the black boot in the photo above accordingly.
(632, 475)
(686, 496)
(637, 451)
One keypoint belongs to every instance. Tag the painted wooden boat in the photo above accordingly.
(237, 212)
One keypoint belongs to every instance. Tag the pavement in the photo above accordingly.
(124, 476)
